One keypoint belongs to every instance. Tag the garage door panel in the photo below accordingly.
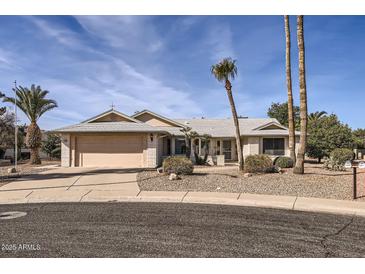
(110, 151)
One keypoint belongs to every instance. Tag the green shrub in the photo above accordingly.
(337, 159)
(258, 164)
(284, 162)
(178, 165)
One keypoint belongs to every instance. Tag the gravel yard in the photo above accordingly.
(316, 182)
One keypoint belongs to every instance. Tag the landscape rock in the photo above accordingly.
(160, 170)
(246, 175)
(11, 170)
(173, 176)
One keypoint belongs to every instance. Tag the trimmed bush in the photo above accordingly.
(179, 165)
(284, 162)
(258, 164)
(337, 159)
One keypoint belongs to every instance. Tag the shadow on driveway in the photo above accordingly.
(65, 175)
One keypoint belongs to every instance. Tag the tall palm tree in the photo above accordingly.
(223, 72)
(315, 116)
(299, 165)
(291, 121)
(34, 104)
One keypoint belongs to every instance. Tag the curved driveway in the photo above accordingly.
(177, 230)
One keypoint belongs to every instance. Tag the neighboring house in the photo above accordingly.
(113, 139)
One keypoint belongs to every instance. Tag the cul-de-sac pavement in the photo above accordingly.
(177, 230)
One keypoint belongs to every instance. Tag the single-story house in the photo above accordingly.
(142, 140)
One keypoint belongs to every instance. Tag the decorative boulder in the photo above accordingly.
(246, 175)
(173, 177)
(11, 170)
(210, 160)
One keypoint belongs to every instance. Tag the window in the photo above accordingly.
(227, 149)
(273, 146)
(180, 147)
(168, 146)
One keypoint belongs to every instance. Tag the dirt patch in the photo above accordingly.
(316, 182)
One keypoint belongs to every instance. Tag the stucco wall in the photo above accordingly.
(253, 145)
(152, 151)
(152, 120)
(65, 150)
(245, 146)
(234, 155)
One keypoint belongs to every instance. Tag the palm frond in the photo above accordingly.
(224, 70)
(32, 102)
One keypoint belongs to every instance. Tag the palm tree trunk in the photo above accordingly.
(34, 156)
(299, 166)
(34, 141)
(290, 92)
(236, 124)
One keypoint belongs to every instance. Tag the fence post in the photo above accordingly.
(355, 183)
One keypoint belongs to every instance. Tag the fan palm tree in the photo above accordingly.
(34, 104)
(315, 116)
(223, 72)
(299, 165)
(291, 121)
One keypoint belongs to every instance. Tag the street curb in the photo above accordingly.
(294, 203)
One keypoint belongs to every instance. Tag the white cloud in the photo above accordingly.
(134, 33)
(104, 78)
(114, 81)
(8, 60)
(61, 34)
(219, 42)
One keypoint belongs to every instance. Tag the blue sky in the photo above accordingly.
(162, 63)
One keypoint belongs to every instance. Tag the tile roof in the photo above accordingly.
(214, 127)
(225, 127)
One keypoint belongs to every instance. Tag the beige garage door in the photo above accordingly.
(109, 151)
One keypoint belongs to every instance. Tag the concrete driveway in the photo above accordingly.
(72, 184)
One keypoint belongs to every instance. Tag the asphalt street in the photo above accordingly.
(176, 230)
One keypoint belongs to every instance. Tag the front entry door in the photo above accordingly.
(227, 148)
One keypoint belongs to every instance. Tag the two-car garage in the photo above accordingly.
(117, 150)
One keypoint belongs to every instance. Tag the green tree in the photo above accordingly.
(326, 134)
(359, 137)
(34, 104)
(51, 144)
(225, 71)
(279, 111)
(7, 126)
(315, 116)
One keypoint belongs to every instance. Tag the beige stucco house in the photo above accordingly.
(114, 139)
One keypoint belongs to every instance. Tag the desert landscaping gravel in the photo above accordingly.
(316, 182)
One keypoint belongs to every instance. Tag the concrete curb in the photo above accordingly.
(218, 198)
